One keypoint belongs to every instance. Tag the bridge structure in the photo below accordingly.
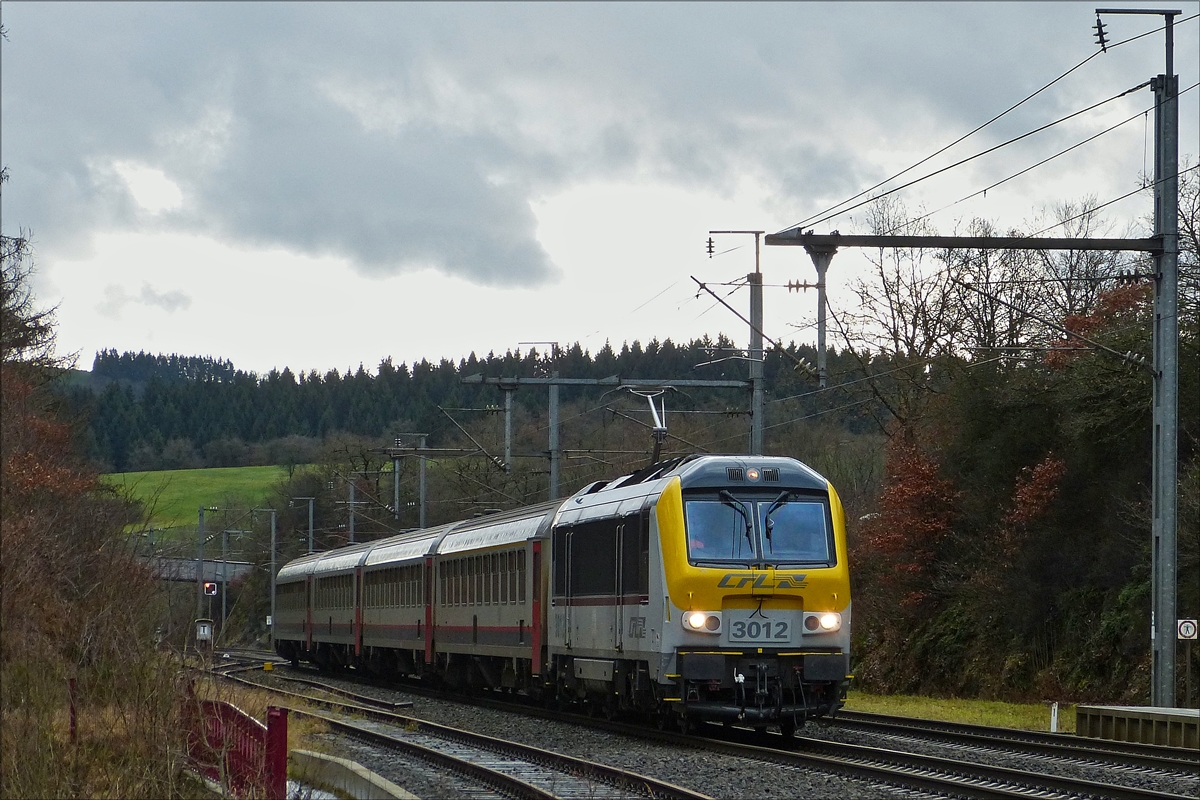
(183, 570)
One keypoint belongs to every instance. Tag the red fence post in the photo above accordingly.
(71, 697)
(277, 753)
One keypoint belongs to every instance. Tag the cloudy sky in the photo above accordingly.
(322, 185)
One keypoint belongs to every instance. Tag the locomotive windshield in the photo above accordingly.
(787, 529)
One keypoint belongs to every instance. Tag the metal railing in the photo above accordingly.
(237, 751)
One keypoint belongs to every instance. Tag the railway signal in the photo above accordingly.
(210, 588)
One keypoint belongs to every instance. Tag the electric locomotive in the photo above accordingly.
(700, 588)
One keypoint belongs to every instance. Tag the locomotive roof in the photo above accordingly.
(632, 493)
(714, 472)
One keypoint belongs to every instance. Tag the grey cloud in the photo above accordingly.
(456, 116)
(168, 301)
(116, 299)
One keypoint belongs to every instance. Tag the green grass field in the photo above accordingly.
(1025, 716)
(174, 496)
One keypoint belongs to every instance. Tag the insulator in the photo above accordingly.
(1100, 37)
(711, 247)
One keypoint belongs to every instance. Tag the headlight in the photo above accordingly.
(702, 621)
(822, 623)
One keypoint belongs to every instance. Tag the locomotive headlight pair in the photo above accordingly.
(822, 623)
(702, 621)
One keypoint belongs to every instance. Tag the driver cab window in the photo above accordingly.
(716, 532)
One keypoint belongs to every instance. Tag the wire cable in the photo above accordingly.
(1094, 209)
(1046, 160)
(970, 158)
(810, 220)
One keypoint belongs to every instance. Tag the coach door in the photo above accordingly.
(618, 587)
(308, 609)
(568, 541)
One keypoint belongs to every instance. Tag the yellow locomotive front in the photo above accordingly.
(757, 592)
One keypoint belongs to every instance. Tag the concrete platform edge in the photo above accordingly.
(341, 775)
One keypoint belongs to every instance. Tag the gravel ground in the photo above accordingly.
(712, 774)
(729, 777)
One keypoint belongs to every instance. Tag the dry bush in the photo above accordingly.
(74, 601)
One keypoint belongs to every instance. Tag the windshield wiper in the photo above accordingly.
(778, 503)
(740, 507)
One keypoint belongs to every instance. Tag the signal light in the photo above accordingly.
(711, 247)
(210, 588)
(1100, 38)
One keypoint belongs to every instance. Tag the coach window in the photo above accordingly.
(487, 579)
(495, 559)
(521, 575)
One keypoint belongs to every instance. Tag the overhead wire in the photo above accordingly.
(1094, 209)
(1063, 152)
(1030, 168)
(970, 158)
(812, 220)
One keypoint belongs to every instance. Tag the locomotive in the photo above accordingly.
(702, 588)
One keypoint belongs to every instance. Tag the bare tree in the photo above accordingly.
(1007, 283)
(909, 313)
(1074, 279)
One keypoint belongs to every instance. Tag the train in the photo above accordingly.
(704, 588)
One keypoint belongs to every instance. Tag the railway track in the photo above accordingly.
(510, 768)
(1056, 745)
(956, 776)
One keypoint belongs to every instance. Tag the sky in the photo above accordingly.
(320, 185)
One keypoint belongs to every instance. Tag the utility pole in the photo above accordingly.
(1165, 437)
(821, 257)
(350, 509)
(421, 483)
(508, 398)
(555, 452)
(224, 577)
(310, 519)
(273, 569)
(200, 567)
(757, 406)
(272, 631)
(396, 487)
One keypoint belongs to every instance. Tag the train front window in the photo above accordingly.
(787, 529)
(717, 531)
(794, 531)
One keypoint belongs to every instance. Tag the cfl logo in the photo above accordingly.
(758, 580)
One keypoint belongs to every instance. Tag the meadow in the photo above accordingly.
(173, 497)
(1025, 716)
